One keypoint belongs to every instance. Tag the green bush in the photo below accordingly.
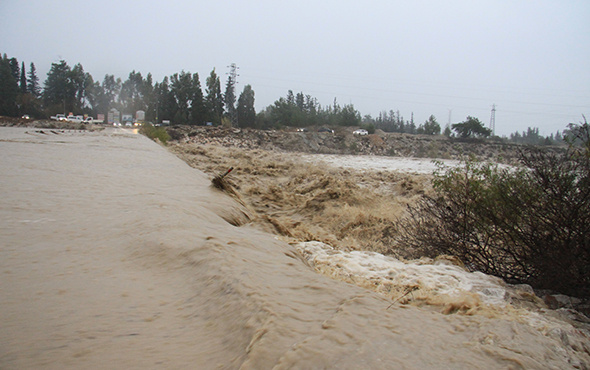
(527, 225)
(154, 133)
(369, 127)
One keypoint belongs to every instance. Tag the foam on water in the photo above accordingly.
(439, 278)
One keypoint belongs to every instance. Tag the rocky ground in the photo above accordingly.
(342, 141)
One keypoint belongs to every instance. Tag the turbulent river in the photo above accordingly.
(116, 254)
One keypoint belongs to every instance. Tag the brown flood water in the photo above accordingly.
(116, 254)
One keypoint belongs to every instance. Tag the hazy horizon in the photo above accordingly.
(427, 58)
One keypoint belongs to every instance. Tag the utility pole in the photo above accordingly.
(232, 81)
(450, 112)
(493, 120)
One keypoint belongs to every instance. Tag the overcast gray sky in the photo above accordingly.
(530, 58)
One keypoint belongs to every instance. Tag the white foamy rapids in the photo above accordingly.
(438, 278)
(380, 163)
(440, 283)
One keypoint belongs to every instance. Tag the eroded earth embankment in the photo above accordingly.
(115, 253)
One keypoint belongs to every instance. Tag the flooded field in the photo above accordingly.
(114, 253)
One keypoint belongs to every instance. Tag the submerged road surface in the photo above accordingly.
(115, 254)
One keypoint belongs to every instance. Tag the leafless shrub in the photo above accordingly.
(527, 225)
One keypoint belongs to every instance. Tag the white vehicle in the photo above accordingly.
(75, 119)
(361, 132)
(91, 120)
(58, 117)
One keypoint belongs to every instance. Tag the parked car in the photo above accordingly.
(360, 132)
(92, 120)
(75, 119)
(302, 129)
(324, 129)
(59, 117)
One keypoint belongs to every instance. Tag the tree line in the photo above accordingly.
(180, 99)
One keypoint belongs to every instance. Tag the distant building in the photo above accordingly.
(140, 116)
(114, 116)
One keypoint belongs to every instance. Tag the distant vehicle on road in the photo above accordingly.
(324, 129)
(75, 119)
(58, 117)
(361, 132)
(92, 120)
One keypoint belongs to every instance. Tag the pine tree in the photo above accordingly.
(245, 110)
(13, 62)
(23, 79)
(8, 89)
(229, 99)
(33, 82)
(59, 92)
(198, 110)
(214, 99)
(166, 107)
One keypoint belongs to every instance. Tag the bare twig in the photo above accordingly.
(408, 290)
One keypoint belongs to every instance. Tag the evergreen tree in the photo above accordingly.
(8, 89)
(131, 96)
(166, 107)
(33, 82)
(348, 116)
(14, 68)
(447, 132)
(245, 109)
(59, 92)
(429, 127)
(149, 97)
(181, 87)
(198, 112)
(107, 94)
(23, 79)
(471, 127)
(229, 99)
(214, 99)
(80, 83)
(300, 101)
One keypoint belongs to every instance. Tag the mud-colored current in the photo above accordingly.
(116, 254)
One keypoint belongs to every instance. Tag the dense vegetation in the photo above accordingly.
(180, 99)
(527, 225)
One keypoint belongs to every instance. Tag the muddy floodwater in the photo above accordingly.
(116, 254)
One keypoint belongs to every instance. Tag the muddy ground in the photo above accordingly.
(342, 141)
(301, 201)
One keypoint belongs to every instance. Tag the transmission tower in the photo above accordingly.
(232, 81)
(493, 120)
